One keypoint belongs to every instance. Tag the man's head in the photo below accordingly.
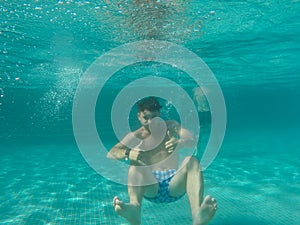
(149, 103)
(148, 108)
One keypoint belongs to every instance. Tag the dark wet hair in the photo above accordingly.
(149, 103)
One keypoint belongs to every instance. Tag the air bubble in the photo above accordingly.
(1, 93)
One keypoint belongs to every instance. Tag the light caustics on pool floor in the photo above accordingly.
(54, 185)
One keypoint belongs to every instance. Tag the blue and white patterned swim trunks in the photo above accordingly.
(163, 196)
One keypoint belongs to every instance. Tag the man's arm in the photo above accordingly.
(186, 139)
(121, 150)
(118, 152)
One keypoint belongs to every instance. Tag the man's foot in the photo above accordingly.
(206, 211)
(131, 212)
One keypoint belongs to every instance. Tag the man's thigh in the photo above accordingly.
(178, 183)
(142, 177)
(151, 190)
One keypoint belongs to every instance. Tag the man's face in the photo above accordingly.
(146, 116)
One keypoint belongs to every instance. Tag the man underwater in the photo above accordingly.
(154, 173)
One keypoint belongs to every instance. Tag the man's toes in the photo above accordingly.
(207, 199)
(214, 202)
(117, 202)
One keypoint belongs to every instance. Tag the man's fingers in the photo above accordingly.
(171, 144)
(167, 144)
(169, 134)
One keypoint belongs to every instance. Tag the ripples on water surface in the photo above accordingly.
(45, 47)
(44, 39)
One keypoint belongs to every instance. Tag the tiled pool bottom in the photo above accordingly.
(54, 185)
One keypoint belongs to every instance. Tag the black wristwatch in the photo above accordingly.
(127, 152)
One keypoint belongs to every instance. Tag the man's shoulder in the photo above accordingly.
(139, 133)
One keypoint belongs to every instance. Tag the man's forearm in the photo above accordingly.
(117, 153)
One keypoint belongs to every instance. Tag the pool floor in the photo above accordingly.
(52, 184)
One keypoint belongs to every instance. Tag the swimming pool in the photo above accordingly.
(46, 47)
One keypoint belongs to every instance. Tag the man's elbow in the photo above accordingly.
(109, 155)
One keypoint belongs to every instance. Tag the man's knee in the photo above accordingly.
(192, 163)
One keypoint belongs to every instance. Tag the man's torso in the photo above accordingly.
(159, 157)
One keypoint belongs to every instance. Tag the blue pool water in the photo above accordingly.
(253, 49)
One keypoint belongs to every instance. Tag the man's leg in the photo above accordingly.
(132, 210)
(189, 179)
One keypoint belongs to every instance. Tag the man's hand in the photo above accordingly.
(171, 144)
(136, 156)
